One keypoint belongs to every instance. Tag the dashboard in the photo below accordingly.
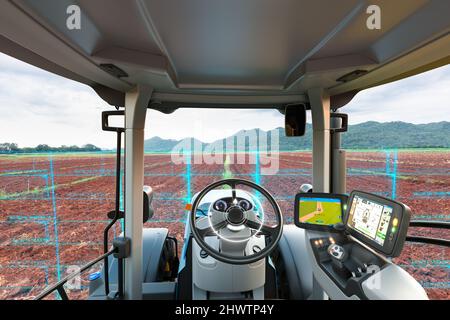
(376, 221)
(354, 258)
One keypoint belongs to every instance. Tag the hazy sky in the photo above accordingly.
(39, 107)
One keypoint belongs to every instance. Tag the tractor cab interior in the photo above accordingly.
(291, 56)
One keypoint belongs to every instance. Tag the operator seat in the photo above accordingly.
(184, 282)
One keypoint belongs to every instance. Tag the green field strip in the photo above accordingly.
(425, 263)
(4, 195)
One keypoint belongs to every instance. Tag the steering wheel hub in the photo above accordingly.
(235, 215)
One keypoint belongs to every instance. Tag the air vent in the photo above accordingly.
(113, 70)
(352, 75)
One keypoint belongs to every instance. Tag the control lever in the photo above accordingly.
(338, 257)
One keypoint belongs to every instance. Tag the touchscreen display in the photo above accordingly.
(319, 211)
(370, 218)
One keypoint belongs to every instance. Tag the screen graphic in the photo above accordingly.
(370, 218)
(320, 211)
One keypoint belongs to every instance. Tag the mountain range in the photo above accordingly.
(367, 135)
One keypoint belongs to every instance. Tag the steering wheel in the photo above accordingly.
(237, 217)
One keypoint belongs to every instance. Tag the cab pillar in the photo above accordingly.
(320, 111)
(136, 103)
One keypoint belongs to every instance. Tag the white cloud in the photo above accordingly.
(422, 98)
(39, 107)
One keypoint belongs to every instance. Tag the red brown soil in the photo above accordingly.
(84, 193)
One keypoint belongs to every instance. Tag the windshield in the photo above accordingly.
(209, 145)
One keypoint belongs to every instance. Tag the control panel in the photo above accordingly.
(346, 262)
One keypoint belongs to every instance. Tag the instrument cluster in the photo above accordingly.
(223, 204)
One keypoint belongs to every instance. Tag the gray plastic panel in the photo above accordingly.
(393, 283)
(153, 242)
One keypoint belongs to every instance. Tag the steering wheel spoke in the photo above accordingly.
(263, 228)
(232, 184)
(212, 230)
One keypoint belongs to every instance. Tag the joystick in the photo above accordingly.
(337, 252)
(338, 256)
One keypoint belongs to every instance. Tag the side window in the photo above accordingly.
(405, 155)
(56, 181)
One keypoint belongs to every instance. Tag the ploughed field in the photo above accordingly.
(53, 207)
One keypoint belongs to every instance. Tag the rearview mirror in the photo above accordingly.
(295, 120)
(148, 207)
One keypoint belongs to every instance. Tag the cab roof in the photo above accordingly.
(234, 52)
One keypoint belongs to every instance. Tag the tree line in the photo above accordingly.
(44, 148)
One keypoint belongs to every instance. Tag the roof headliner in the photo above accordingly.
(231, 52)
